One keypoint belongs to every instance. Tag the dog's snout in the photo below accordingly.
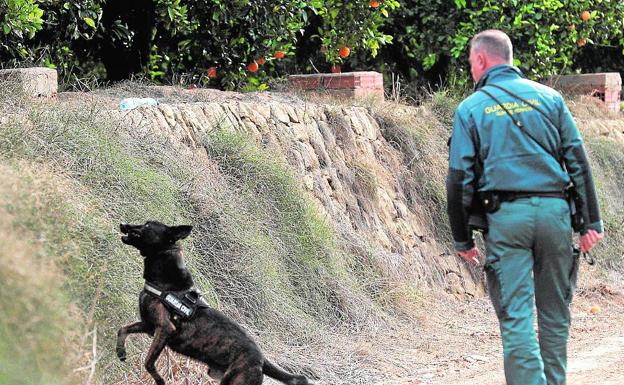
(124, 228)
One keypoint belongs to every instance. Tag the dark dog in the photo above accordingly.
(208, 335)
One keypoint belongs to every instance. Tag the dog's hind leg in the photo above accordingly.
(244, 370)
(243, 376)
(122, 334)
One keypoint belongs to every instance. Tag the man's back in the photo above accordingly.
(513, 161)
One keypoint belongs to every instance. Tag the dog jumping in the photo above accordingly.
(177, 315)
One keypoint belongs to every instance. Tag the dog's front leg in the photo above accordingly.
(158, 344)
(122, 334)
(164, 329)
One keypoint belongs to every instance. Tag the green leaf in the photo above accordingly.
(430, 61)
(89, 21)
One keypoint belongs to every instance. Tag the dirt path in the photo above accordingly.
(465, 349)
(592, 360)
(604, 360)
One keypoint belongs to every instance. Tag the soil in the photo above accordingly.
(464, 348)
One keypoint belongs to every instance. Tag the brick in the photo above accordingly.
(348, 84)
(612, 96)
(305, 82)
(35, 82)
(606, 85)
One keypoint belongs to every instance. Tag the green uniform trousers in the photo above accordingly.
(530, 262)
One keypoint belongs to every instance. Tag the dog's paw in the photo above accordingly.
(121, 353)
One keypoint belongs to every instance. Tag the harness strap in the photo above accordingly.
(151, 289)
(184, 304)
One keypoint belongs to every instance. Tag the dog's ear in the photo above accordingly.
(180, 232)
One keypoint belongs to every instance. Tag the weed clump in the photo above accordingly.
(421, 135)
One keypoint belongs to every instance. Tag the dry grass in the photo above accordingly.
(606, 157)
(41, 329)
(420, 134)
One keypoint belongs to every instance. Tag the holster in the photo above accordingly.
(477, 218)
(575, 203)
(491, 201)
(482, 204)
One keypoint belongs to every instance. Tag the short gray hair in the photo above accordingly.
(495, 43)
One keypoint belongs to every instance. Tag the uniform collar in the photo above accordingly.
(499, 73)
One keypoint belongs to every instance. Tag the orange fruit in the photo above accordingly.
(374, 4)
(336, 69)
(279, 54)
(344, 52)
(595, 309)
(252, 67)
(261, 61)
(212, 72)
(581, 42)
(585, 15)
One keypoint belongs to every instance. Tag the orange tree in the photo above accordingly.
(19, 21)
(229, 43)
(243, 43)
(549, 36)
(351, 24)
(45, 32)
(228, 37)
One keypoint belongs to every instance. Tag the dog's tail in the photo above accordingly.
(279, 374)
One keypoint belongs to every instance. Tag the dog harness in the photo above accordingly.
(183, 303)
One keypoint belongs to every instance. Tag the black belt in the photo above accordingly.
(509, 196)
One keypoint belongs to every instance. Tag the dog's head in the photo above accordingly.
(153, 235)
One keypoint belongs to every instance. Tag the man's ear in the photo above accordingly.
(180, 232)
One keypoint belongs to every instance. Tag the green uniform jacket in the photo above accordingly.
(511, 161)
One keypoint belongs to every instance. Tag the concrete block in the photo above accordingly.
(606, 85)
(34, 82)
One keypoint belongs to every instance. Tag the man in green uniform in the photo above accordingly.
(515, 148)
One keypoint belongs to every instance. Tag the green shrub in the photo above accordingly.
(19, 20)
